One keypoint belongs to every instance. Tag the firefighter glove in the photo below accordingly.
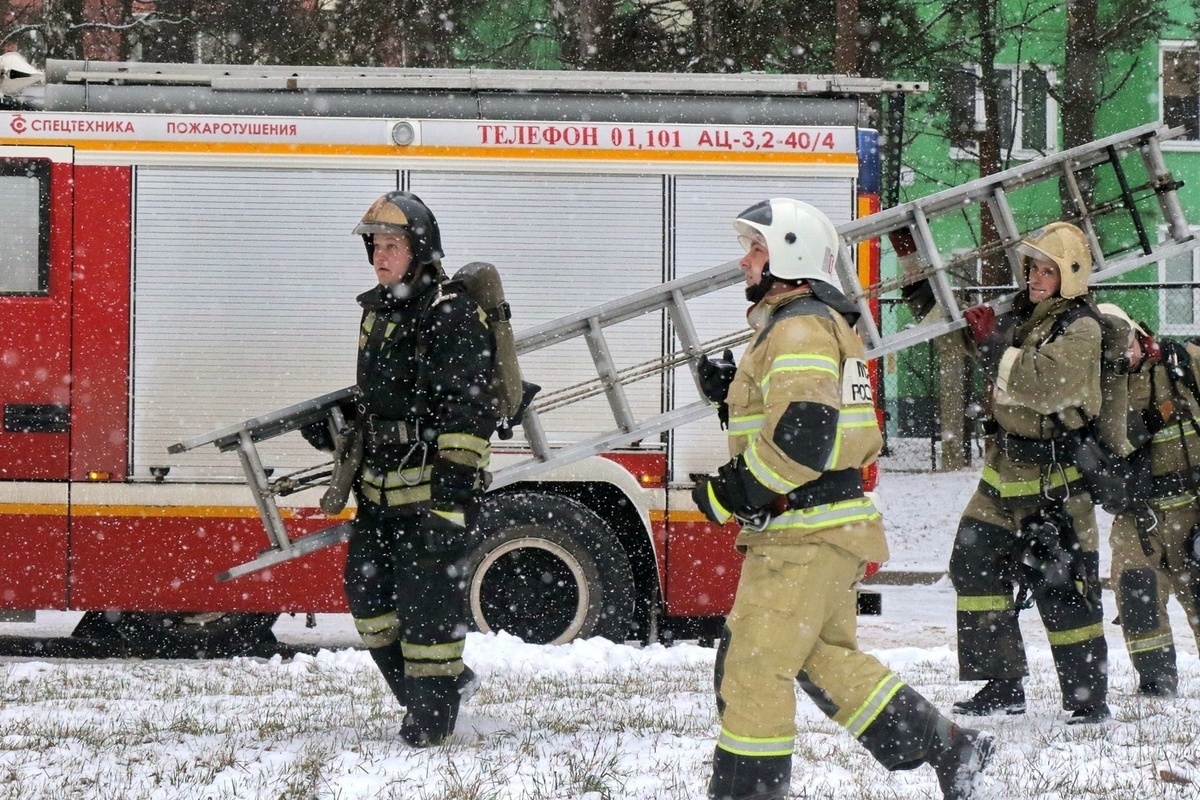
(1151, 352)
(710, 505)
(715, 378)
(317, 434)
(981, 321)
(733, 492)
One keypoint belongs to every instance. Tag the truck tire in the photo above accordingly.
(548, 570)
(213, 635)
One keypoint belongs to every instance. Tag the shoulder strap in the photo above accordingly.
(1079, 310)
(800, 307)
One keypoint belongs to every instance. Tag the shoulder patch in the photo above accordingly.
(856, 383)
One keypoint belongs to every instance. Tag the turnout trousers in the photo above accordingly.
(408, 605)
(794, 619)
(1144, 583)
(983, 570)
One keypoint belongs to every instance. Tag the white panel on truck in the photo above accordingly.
(705, 208)
(244, 287)
(562, 243)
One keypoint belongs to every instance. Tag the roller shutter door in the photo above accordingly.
(562, 243)
(244, 290)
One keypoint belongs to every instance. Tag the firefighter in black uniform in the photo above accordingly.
(425, 417)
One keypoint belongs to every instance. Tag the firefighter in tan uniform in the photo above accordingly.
(1030, 524)
(802, 424)
(1156, 540)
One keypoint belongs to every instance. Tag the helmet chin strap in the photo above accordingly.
(758, 291)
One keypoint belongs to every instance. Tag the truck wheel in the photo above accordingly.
(211, 635)
(548, 570)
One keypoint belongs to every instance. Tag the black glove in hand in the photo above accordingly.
(447, 531)
(704, 493)
(725, 495)
(715, 376)
(317, 434)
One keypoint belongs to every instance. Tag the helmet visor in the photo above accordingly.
(748, 240)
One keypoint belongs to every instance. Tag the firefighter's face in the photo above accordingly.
(1044, 280)
(393, 257)
(754, 262)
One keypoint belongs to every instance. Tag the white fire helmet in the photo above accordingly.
(1065, 245)
(801, 241)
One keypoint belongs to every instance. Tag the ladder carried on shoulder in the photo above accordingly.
(1145, 193)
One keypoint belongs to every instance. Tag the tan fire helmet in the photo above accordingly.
(402, 213)
(1065, 245)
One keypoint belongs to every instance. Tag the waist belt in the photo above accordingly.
(1039, 451)
(1175, 483)
(831, 487)
(381, 433)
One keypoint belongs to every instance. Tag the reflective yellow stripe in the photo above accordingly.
(876, 701)
(1076, 635)
(457, 517)
(1171, 433)
(1029, 487)
(379, 631)
(798, 363)
(857, 418)
(433, 669)
(753, 746)
(987, 602)
(1168, 503)
(845, 512)
(463, 441)
(397, 478)
(847, 420)
(723, 514)
(744, 426)
(443, 651)
(764, 474)
(397, 497)
(1145, 644)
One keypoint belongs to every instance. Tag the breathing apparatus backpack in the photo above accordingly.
(1103, 449)
(481, 281)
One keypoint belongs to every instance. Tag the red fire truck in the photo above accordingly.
(177, 256)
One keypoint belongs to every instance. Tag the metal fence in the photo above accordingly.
(922, 384)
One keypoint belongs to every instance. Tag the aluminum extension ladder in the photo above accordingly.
(1137, 151)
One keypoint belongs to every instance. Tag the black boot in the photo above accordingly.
(1165, 686)
(432, 710)
(468, 684)
(390, 661)
(959, 756)
(1090, 715)
(737, 777)
(1007, 695)
(909, 732)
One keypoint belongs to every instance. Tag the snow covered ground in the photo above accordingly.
(588, 721)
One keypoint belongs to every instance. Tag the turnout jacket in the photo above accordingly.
(802, 416)
(1162, 413)
(1046, 385)
(424, 371)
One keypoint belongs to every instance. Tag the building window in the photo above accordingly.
(1181, 87)
(1028, 120)
(24, 236)
(1177, 304)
